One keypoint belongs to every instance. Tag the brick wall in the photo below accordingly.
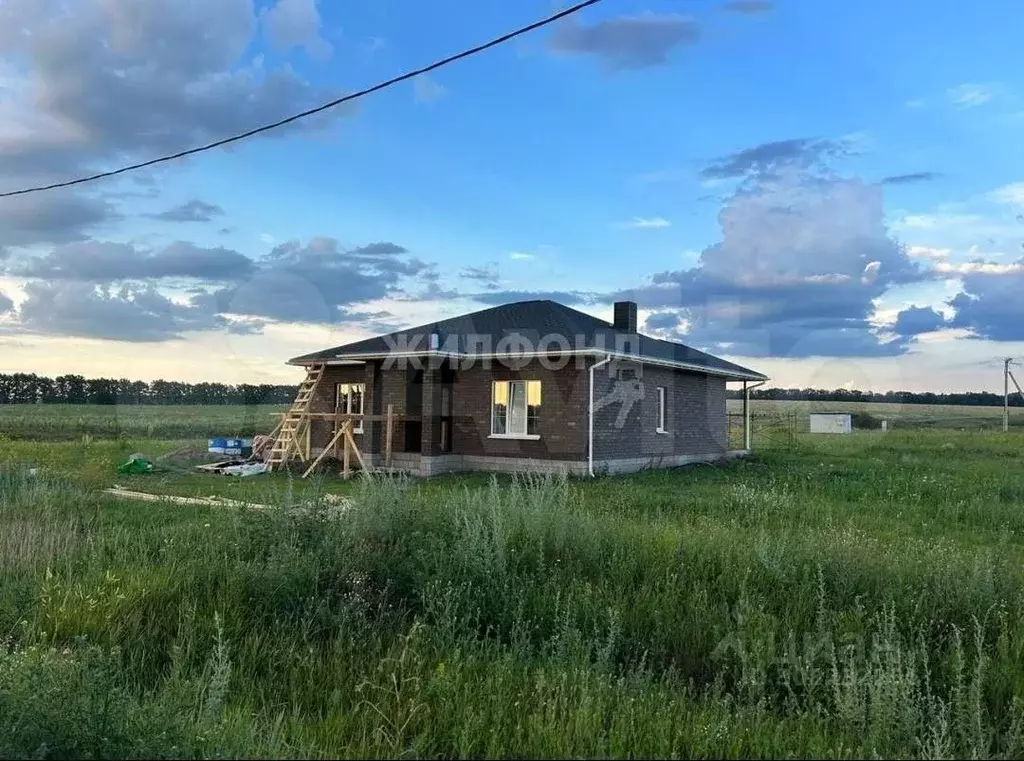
(696, 414)
(696, 421)
(561, 422)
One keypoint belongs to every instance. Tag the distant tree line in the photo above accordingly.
(26, 388)
(965, 398)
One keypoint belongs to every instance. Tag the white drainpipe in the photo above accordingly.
(590, 445)
(746, 412)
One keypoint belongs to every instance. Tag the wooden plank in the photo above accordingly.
(389, 429)
(309, 439)
(344, 416)
(323, 454)
(346, 470)
(354, 447)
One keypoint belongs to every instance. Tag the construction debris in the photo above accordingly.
(242, 447)
(338, 503)
(235, 468)
(135, 464)
(261, 446)
(117, 491)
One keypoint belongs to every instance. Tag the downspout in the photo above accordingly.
(590, 436)
(746, 413)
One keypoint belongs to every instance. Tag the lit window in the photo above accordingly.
(350, 402)
(515, 406)
(662, 409)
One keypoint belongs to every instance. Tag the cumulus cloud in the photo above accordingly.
(190, 211)
(801, 260)
(661, 323)
(990, 305)
(97, 283)
(103, 262)
(54, 217)
(296, 23)
(6, 304)
(317, 281)
(804, 255)
(487, 275)
(626, 42)
(90, 83)
(916, 320)
(126, 313)
(769, 158)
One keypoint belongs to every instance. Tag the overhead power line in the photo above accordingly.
(310, 112)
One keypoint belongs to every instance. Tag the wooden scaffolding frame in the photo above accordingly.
(293, 435)
(342, 442)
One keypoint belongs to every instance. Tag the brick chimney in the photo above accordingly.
(625, 316)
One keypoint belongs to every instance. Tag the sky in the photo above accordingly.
(829, 193)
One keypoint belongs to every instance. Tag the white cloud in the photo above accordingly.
(427, 90)
(293, 24)
(1011, 195)
(916, 103)
(870, 272)
(928, 252)
(645, 223)
(972, 94)
(979, 268)
(521, 256)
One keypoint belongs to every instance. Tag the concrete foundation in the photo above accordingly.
(421, 465)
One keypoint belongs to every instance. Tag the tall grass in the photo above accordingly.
(805, 604)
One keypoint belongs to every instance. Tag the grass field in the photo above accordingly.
(832, 597)
(56, 422)
(940, 416)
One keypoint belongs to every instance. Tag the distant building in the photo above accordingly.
(831, 422)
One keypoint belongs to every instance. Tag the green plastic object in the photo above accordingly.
(135, 466)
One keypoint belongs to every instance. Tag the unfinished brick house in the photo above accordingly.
(532, 385)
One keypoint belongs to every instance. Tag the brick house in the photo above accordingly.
(532, 385)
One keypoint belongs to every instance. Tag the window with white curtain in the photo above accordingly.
(515, 407)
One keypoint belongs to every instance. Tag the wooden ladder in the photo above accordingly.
(286, 442)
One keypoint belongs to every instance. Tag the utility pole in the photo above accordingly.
(1006, 394)
(1007, 379)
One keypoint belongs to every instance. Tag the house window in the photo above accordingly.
(515, 406)
(350, 402)
(662, 410)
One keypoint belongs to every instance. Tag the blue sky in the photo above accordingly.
(828, 192)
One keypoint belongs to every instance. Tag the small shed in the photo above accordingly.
(831, 422)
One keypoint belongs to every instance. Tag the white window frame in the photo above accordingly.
(526, 409)
(662, 410)
(346, 407)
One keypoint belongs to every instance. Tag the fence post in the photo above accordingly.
(746, 417)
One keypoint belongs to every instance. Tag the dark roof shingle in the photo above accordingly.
(480, 332)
